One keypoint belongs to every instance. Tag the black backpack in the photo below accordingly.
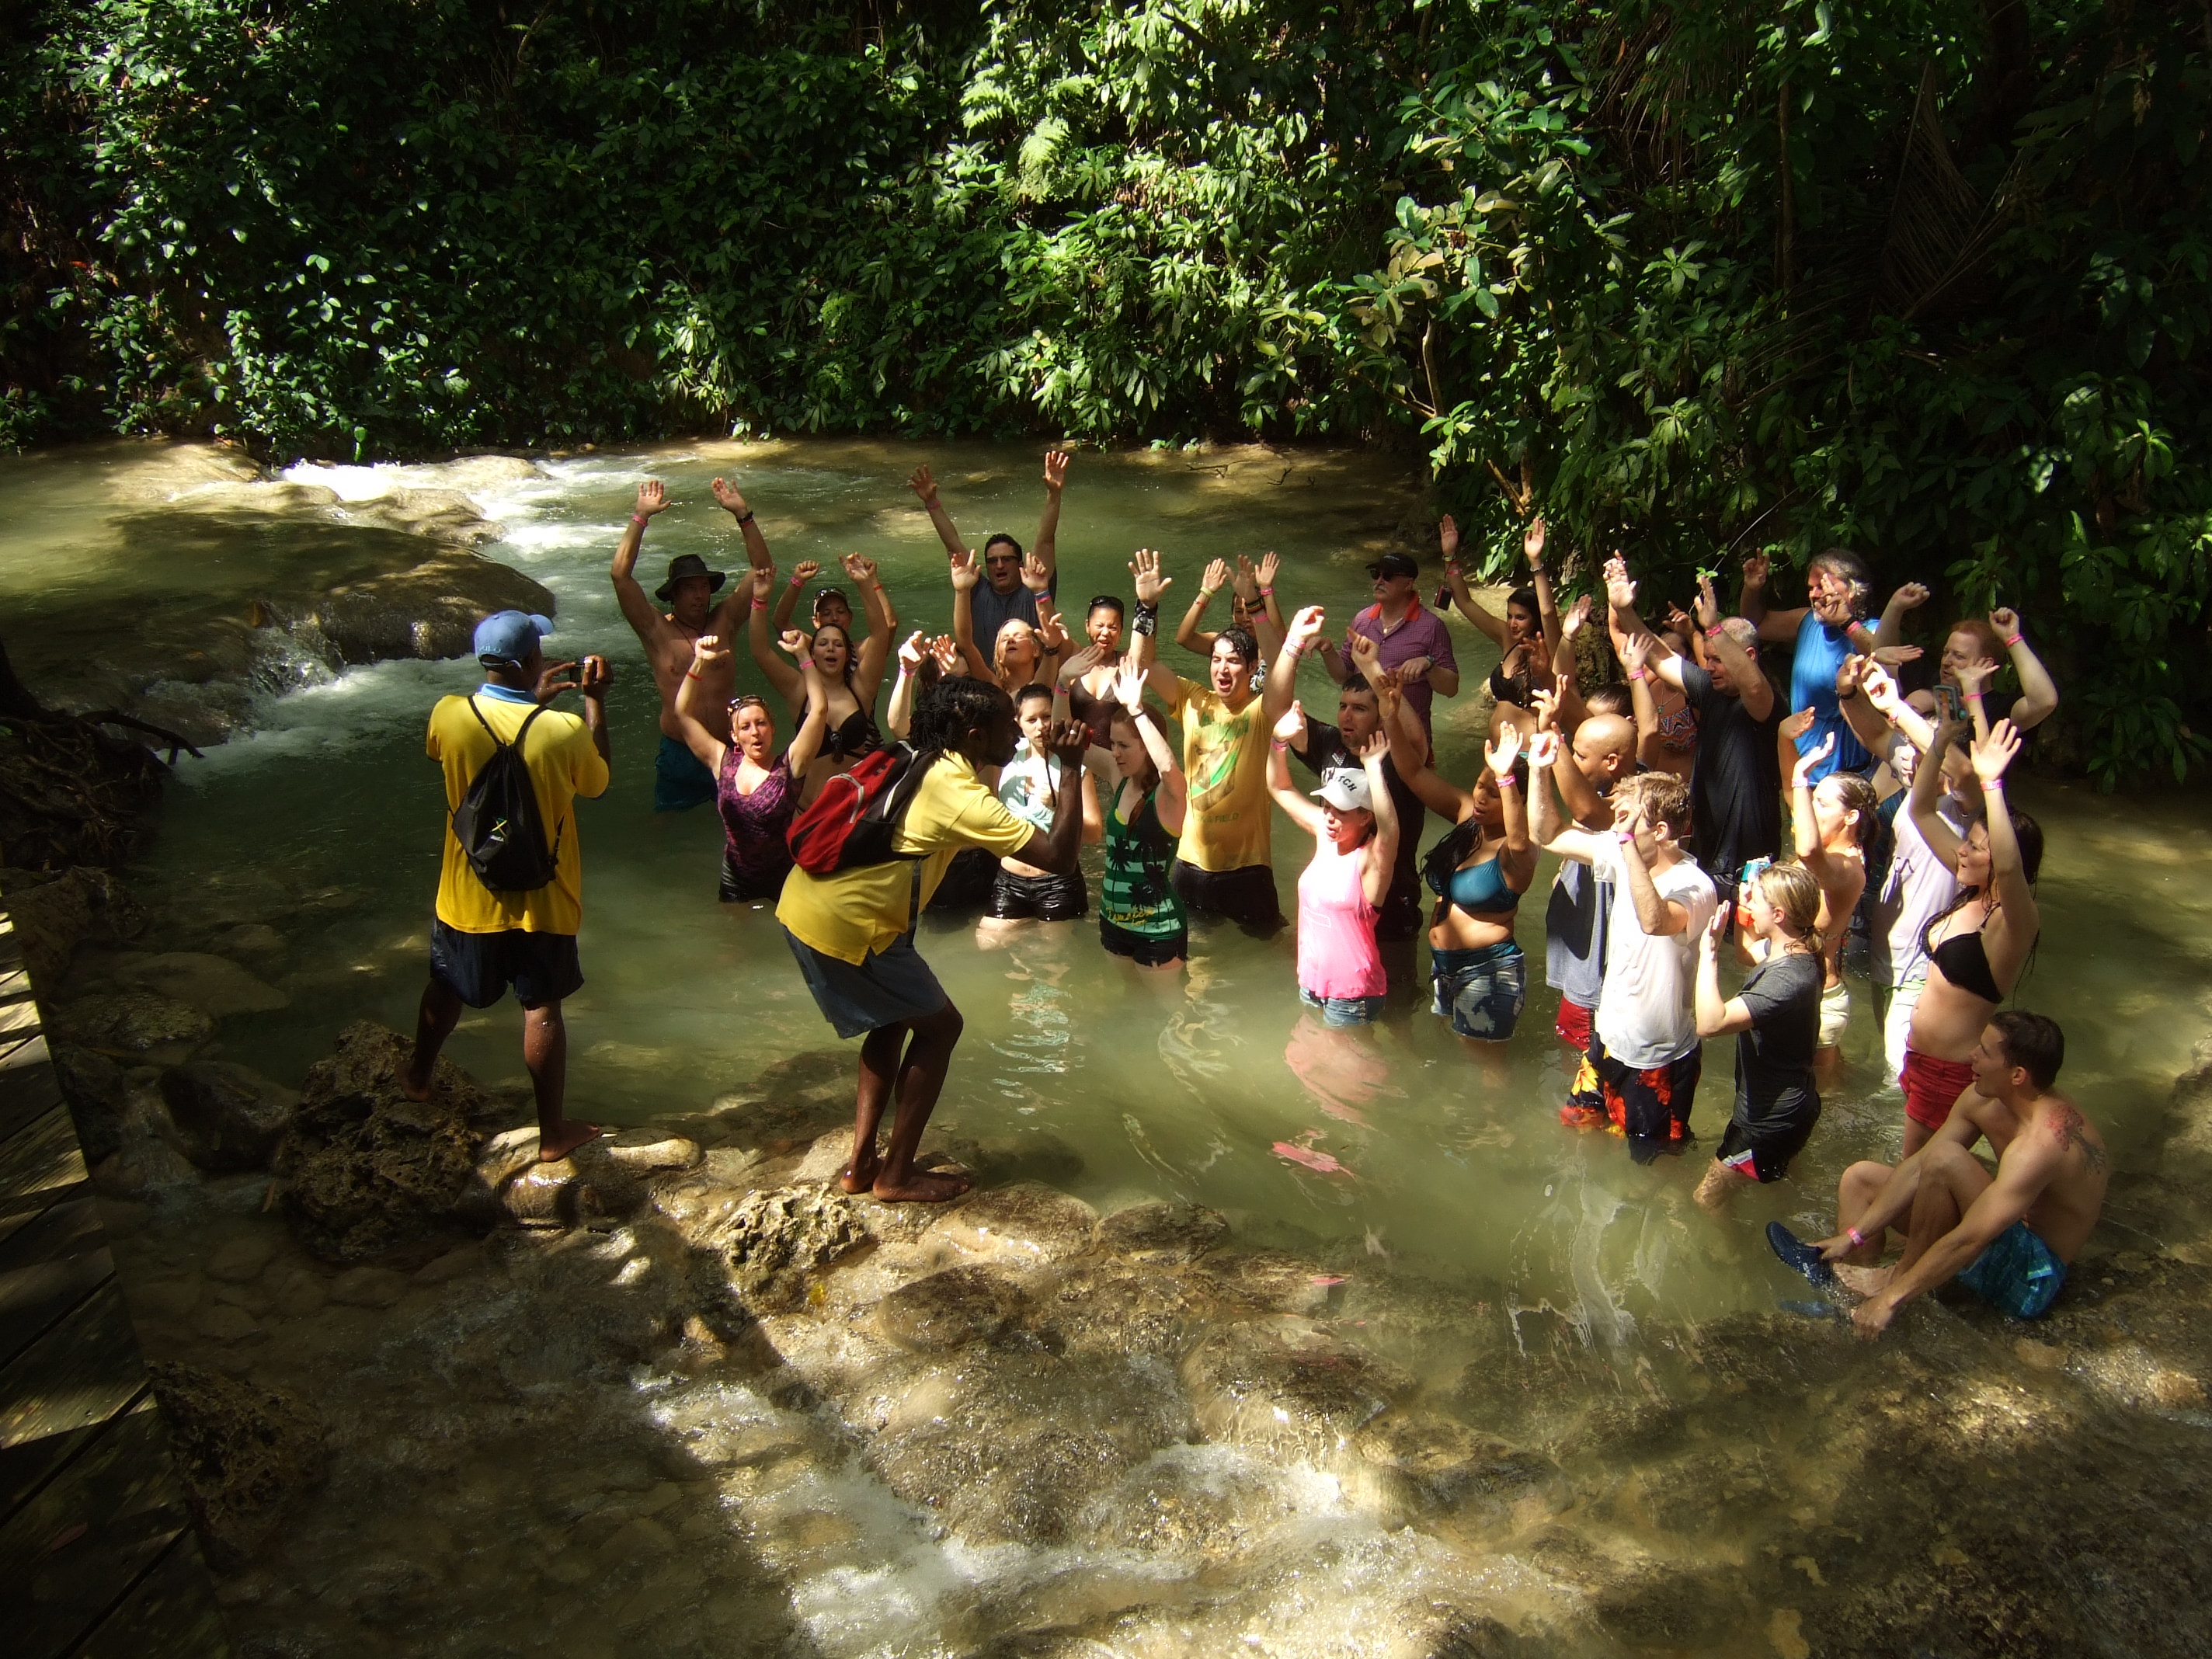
(497, 823)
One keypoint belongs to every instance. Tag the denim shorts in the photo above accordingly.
(1344, 1011)
(1481, 992)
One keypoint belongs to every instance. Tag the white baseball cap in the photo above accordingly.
(1344, 788)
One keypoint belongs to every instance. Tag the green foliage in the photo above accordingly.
(1925, 278)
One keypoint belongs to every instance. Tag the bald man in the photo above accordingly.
(1601, 754)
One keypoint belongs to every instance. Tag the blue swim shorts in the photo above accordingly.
(680, 781)
(2017, 1274)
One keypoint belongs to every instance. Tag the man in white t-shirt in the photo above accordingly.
(1645, 1049)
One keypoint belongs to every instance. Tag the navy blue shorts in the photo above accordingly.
(477, 968)
(892, 987)
(680, 781)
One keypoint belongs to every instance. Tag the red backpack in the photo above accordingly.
(851, 823)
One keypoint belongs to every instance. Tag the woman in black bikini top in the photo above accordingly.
(850, 677)
(1524, 633)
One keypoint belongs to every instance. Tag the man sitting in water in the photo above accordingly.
(679, 780)
(2010, 1237)
(852, 932)
(482, 942)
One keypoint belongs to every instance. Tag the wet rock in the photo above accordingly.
(429, 611)
(94, 1086)
(228, 1116)
(216, 986)
(1267, 1281)
(1023, 1226)
(1412, 1460)
(1111, 1306)
(241, 1259)
(460, 1262)
(254, 940)
(297, 1293)
(53, 913)
(1286, 1385)
(224, 1322)
(243, 1452)
(1208, 1501)
(442, 514)
(603, 1178)
(366, 1170)
(699, 1205)
(369, 1287)
(134, 1020)
(776, 1239)
(950, 1309)
(1033, 1154)
(1162, 1233)
(1669, 1606)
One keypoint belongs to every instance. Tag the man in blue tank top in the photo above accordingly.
(1826, 632)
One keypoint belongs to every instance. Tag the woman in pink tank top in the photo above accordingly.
(1355, 831)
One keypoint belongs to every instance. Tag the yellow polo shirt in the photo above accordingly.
(855, 913)
(1224, 764)
(563, 764)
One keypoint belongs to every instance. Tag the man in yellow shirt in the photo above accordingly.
(1222, 864)
(852, 932)
(482, 942)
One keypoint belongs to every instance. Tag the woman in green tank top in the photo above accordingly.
(1139, 917)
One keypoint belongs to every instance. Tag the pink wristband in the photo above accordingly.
(2012, 642)
(798, 581)
(760, 605)
(640, 519)
(1268, 592)
(1639, 674)
(1856, 1237)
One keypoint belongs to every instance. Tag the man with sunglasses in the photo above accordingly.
(1002, 596)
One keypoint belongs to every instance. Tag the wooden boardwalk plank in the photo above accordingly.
(48, 1267)
(83, 1371)
(170, 1613)
(40, 1164)
(71, 1554)
(28, 1087)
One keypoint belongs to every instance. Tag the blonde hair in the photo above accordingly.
(1007, 634)
(1796, 896)
(1662, 797)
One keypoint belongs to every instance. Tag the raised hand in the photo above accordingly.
(858, 568)
(922, 485)
(1800, 776)
(1052, 633)
(726, 494)
(2006, 621)
(911, 653)
(1129, 683)
(1545, 705)
(1849, 672)
(795, 644)
(946, 650)
(1366, 653)
(1055, 470)
(651, 497)
(1390, 694)
(1499, 756)
(1578, 616)
(1077, 664)
(1145, 571)
(1292, 723)
(1532, 543)
(1709, 603)
(964, 570)
(1797, 725)
(763, 579)
(707, 650)
(1543, 750)
(1975, 675)
(1269, 564)
(1619, 590)
(1910, 597)
(1890, 656)
(1069, 742)
(1307, 623)
(1248, 581)
(1992, 754)
(1215, 579)
(1036, 576)
(1448, 539)
(1715, 931)
(1678, 619)
(1879, 689)
(804, 572)
(1635, 652)
(1756, 570)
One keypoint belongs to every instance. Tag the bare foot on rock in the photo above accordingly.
(571, 1133)
(859, 1175)
(1863, 1281)
(921, 1186)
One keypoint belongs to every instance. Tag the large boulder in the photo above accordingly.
(97, 1093)
(228, 1116)
(603, 1178)
(1288, 1387)
(139, 1021)
(242, 1452)
(951, 1308)
(368, 1170)
(1161, 1235)
(430, 610)
(53, 913)
(1023, 1226)
(216, 986)
(777, 1239)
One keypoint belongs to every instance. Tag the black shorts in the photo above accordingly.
(477, 968)
(1763, 1154)
(1245, 896)
(737, 887)
(1047, 898)
(968, 881)
(1144, 949)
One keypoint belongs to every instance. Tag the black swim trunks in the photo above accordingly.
(1145, 951)
(1245, 896)
(477, 968)
(1763, 1154)
(1047, 898)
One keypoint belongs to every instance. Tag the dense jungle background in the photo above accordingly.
(1925, 278)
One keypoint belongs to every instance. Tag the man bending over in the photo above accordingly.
(2008, 1237)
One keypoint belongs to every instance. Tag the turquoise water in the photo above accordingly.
(325, 822)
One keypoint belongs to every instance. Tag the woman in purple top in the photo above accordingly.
(755, 789)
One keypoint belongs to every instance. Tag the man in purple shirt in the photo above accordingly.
(1408, 638)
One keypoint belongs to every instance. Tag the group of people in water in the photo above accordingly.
(1698, 810)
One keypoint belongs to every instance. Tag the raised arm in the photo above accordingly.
(1927, 789)
(2017, 922)
(1805, 831)
(638, 610)
(734, 503)
(2038, 698)
(1275, 698)
(781, 674)
(1751, 603)
(1188, 633)
(1635, 656)
(965, 572)
(707, 651)
(1744, 671)
(882, 624)
(1047, 545)
(806, 742)
(1881, 732)
(1151, 588)
(1381, 853)
(1890, 630)
(787, 601)
(1296, 806)
(1168, 800)
(1545, 828)
(1548, 607)
(898, 718)
(1270, 568)
(1717, 1016)
(1464, 598)
(925, 485)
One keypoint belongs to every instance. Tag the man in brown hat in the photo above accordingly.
(679, 781)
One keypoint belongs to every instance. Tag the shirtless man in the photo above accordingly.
(679, 781)
(2008, 1237)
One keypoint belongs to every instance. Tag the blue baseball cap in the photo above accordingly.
(511, 635)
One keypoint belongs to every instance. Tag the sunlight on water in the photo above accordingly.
(1454, 1162)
